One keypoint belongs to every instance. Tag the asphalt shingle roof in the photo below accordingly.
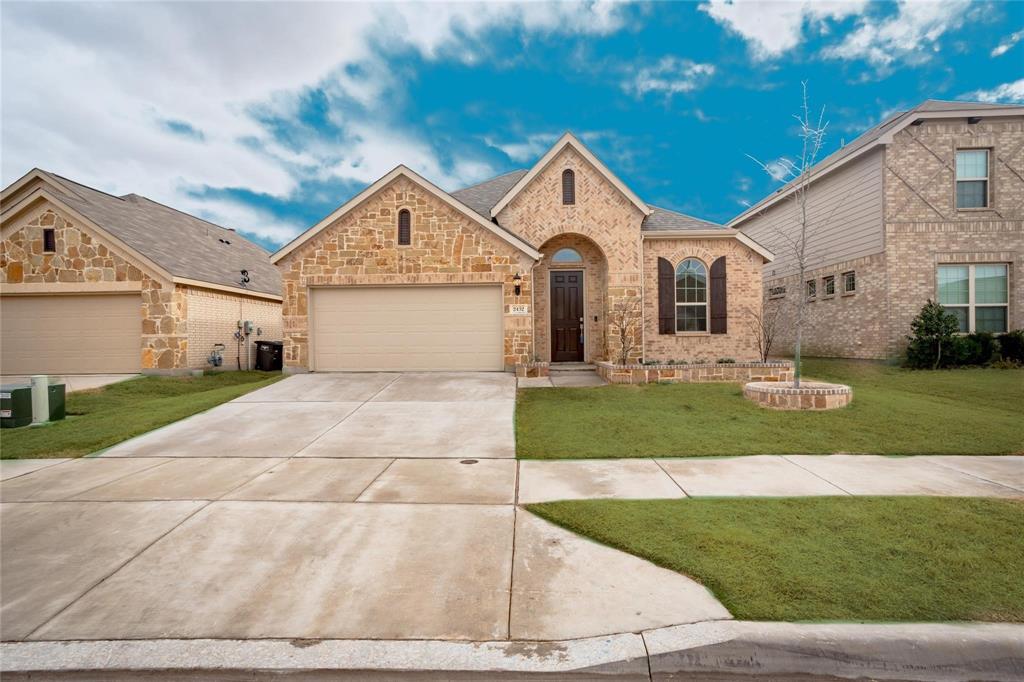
(183, 245)
(483, 196)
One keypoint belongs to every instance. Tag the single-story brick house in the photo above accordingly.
(95, 283)
(537, 265)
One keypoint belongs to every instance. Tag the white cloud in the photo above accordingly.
(773, 27)
(669, 76)
(1007, 43)
(527, 148)
(93, 105)
(780, 169)
(1007, 92)
(910, 34)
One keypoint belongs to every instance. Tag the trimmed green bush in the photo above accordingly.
(1011, 346)
(934, 331)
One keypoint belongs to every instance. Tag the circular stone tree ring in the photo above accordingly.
(812, 395)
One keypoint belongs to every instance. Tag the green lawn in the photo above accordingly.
(826, 558)
(894, 412)
(106, 416)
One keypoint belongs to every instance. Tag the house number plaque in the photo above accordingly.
(519, 309)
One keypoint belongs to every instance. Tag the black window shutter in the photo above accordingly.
(666, 297)
(719, 302)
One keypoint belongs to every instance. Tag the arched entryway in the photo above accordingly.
(571, 284)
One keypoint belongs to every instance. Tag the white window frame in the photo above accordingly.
(825, 281)
(811, 289)
(987, 178)
(846, 291)
(707, 298)
(971, 305)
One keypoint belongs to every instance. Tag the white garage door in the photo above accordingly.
(92, 334)
(407, 328)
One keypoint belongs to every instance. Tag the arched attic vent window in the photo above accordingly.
(568, 187)
(404, 227)
(567, 255)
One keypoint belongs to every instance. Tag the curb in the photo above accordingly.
(715, 650)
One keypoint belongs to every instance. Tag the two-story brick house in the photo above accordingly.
(536, 265)
(929, 204)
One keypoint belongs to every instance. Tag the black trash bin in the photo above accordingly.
(268, 356)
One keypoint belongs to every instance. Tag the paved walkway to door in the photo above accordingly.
(372, 506)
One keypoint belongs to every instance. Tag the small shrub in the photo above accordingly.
(933, 333)
(1011, 345)
(726, 361)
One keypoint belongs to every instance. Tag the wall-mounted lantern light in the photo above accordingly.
(517, 280)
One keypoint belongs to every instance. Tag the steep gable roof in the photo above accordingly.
(882, 134)
(183, 245)
(568, 140)
(483, 196)
(416, 178)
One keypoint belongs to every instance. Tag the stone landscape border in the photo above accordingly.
(533, 369)
(812, 395)
(707, 372)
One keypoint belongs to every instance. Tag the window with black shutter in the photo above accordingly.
(404, 228)
(568, 187)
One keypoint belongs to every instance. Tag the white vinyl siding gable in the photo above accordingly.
(845, 209)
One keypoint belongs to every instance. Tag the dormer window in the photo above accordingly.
(404, 228)
(568, 187)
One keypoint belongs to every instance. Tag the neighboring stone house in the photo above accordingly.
(927, 205)
(93, 283)
(533, 266)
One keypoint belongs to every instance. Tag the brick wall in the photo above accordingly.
(360, 248)
(601, 214)
(213, 318)
(923, 226)
(743, 280)
(844, 325)
(82, 257)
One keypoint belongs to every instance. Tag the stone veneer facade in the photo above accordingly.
(603, 225)
(695, 373)
(360, 248)
(83, 258)
(922, 230)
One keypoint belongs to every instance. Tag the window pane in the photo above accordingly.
(953, 284)
(812, 289)
(961, 317)
(971, 194)
(972, 163)
(691, 318)
(849, 282)
(990, 319)
(990, 284)
(830, 285)
(691, 282)
(566, 256)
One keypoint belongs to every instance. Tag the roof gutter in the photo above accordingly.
(721, 233)
(198, 283)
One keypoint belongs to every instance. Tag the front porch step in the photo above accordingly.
(556, 367)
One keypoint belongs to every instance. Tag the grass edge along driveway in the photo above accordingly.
(106, 416)
(894, 412)
(826, 558)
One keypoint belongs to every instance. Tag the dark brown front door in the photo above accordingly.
(566, 316)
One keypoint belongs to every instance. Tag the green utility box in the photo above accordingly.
(56, 402)
(15, 406)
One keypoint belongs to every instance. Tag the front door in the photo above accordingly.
(566, 316)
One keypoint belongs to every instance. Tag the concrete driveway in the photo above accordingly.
(370, 506)
(432, 415)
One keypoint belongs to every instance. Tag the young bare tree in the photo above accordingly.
(797, 174)
(625, 319)
(764, 322)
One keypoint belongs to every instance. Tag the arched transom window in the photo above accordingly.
(691, 296)
(404, 227)
(568, 187)
(567, 255)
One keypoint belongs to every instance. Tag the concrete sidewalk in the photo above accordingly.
(770, 476)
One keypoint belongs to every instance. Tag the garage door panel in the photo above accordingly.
(91, 334)
(408, 328)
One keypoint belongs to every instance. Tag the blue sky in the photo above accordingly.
(267, 116)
